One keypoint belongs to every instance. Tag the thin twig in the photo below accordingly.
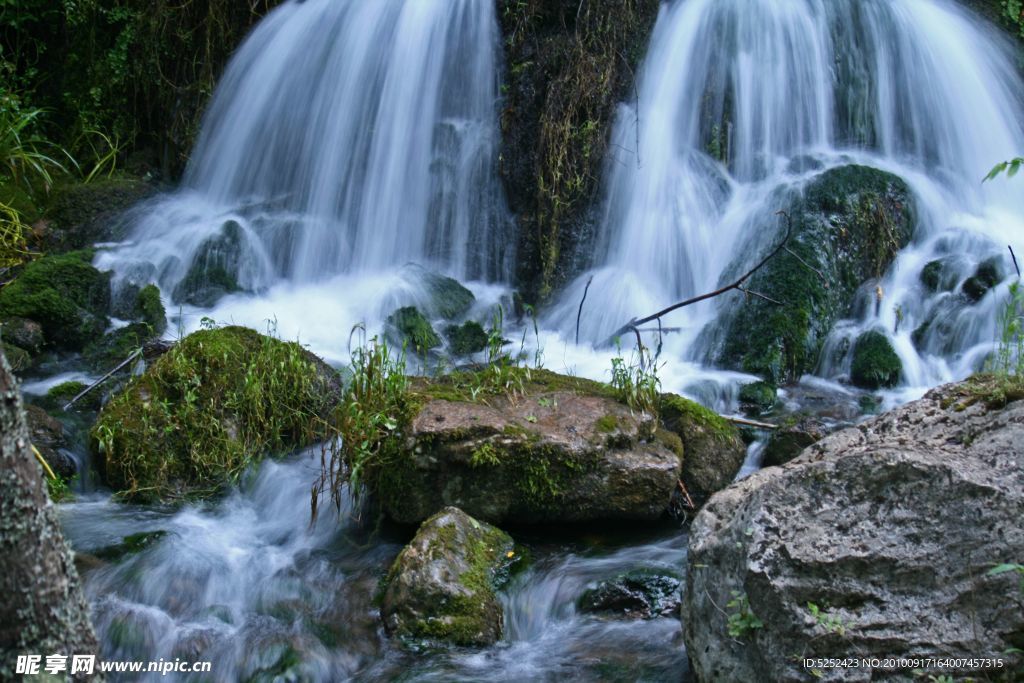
(104, 378)
(42, 461)
(580, 311)
(759, 295)
(807, 265)
(689, 501)
(1014, 257)
(750, 423)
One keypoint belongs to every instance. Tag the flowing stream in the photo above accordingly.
(349, 139)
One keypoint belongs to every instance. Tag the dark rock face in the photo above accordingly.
(47, 435)
(442, 585)
(83, 214)
(848, 226)
(562, 451)
(757, 398)
(65, 295)
(214, 269)
(43, 609)
(875, 363)
(890, 529)
(989, 273)
(23, 333)
(790, 439)
(713, 451)
(635, 595)
(568, 64)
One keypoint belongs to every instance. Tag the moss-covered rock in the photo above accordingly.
(528, 447)
(939, 275)
(408, 327)
(791, 438)
(713, 450)
(213, 272)
(447, 297)
(65, 295)
(150, 309)
(848, 226)
(757, 398)
(23, 333)
(216, 403)
(467, 338)
(19, 358)
(875, 363)
(989, 273)
(82, 214)
(57, 397)
(114, 347)
(441, 586)
(638, 594)
(568, 65)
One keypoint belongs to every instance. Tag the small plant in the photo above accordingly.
(636, 384)
(742, 619)
(830, 622)
(1006, 568)
(60, 489)
(1009, 356)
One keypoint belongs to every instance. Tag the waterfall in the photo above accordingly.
(743, 100)
(345, 137)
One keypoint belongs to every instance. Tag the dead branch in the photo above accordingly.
(750, 423)
(737, 285)
(104, 378)
(580, 311)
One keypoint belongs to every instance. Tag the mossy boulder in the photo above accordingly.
(82, 214)
(467, 338)
(875, 363)
(114, 347)
(215, 404)
(150, 309)
(757, 398)
(19, 358)
(713, 450)
(442, 585)
(939, 275)
(847, 227)
(791, 438)
(536, 447)
(448, 298)
(65, 295)
(988, 274)
(408, 327)
(638, 594)
(213, 272)
(57, 397)
(23, 333)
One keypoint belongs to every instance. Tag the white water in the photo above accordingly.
(916, 87)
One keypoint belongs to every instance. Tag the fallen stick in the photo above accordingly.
(750, 423)
(42, 461)
(104, 378)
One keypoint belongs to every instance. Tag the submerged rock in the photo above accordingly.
(216, 403)
(847, 228)
(544, 448)
(641, 594)
(441, 586)
(939, 275)
(988, 274)
(890, 530)
(213, 272)
(115, 347)
(65, 295)
(713, 450)
(875, 363)
(448, 299)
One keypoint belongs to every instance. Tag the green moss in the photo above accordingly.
(875, 363)
(215, 404)
(466, 338)
(988, 274)
(129, 545)
(64, 294)
(150, 309)
(82, 214)
(408, 326)
(995, 391)
(448, 298)
(757, 397)
(115, 347)
(19, 358)
(676, 410)
(58, 396)
(607, 423)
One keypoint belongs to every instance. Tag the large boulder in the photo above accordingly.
(878, 541)
(847, 227)
(82, 214)
(441, 586)
(552, 448)
(65, 295)
(215, 404)
(875, 364)
(47, 435)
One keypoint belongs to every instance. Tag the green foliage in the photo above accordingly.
(1008, 359)
(60, 490)
(1007, 568)
(413, 329)
(742, 620)
(636, 383)
(150, 309)
(830, 622)
(1011, 167)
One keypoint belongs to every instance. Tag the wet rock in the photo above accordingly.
(757, 398)
(467, 338)
(65, 295)
(213, 272)
(713, 450)
(47, 435)
(408, 327)
(57, 397)
(939, 275)
(792, 437)
(215, 404)
(891, 529)
(19, 358)
(150, 309)
(989, 273)
(113, 348)
(25, 334)
(553, 449)
(848, 226)
(84, 214)
(441, 586)
(643, 594)
(448, 299)
(129, 545)
(875, 363)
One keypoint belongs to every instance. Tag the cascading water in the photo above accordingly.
(345, 140)
(738, 100)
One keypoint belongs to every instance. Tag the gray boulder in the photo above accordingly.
(878, 541)
(441, 586)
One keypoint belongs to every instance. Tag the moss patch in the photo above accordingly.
(407, 326)
(113, 348)
(467, 338)
(150, 309)
(215, 404)
(875, 363)
(64, 294)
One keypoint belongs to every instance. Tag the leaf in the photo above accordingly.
(1004, 568)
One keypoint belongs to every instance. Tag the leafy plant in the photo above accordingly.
(830, 622)
(636, 383)
(1007, 568)
(742, 619)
